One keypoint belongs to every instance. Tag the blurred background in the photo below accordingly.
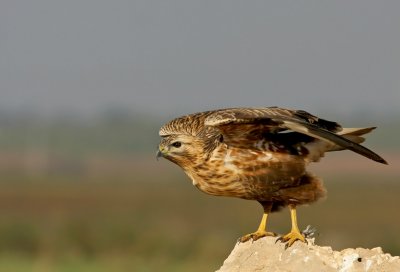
(85, 86)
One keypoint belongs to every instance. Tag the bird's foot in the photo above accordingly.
(291, 237)
(255, 236)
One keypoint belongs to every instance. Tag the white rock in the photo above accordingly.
(265, 255)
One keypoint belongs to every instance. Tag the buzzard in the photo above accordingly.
(258, 154)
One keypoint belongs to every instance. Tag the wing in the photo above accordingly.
(252, 121)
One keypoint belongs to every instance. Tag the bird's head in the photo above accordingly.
(183, 150)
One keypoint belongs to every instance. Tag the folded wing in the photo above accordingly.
(274, 120)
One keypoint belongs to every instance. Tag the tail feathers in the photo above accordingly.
(356, 131)
(352, 134)
(318, 148)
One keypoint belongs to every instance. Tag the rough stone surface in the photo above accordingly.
(265, 255)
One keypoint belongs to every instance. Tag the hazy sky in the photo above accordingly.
(181, 56)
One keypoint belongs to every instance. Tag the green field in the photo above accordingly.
(118, 224)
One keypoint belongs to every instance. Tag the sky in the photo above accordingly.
(167, 57)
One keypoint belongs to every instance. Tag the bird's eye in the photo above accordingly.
(176, 144)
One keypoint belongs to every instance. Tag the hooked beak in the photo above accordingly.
(159, 154)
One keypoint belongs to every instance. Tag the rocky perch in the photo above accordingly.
(265, 255)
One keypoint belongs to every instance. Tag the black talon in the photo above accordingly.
(286, 246)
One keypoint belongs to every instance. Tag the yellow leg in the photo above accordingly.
(294, 234)
(262, 228)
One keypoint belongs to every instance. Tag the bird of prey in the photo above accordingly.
(258, 154)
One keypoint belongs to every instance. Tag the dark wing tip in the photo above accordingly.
(362, 150)
(381, 160)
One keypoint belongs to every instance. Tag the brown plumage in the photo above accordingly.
(259, 154)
